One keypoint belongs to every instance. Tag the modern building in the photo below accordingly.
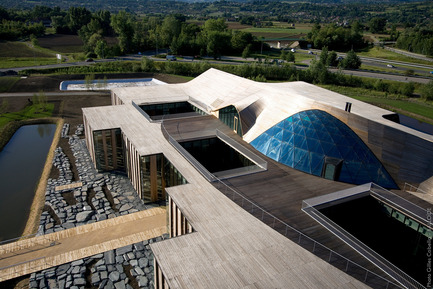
(279, 143)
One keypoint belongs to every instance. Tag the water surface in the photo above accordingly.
(21, 164)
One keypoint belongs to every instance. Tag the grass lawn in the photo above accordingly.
(282, 31)
(7, 82)
(378, 52)
(415, 108)
(11, 62)
(29, 112)
(20, 54)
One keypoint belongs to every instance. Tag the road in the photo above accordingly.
(380, 63)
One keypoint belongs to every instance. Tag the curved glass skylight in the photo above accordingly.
(317, 143)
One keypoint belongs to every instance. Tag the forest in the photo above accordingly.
(189, 35)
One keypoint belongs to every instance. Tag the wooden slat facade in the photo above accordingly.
(230, 248)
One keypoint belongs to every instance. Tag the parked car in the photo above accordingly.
(171, 58)
(293, 50)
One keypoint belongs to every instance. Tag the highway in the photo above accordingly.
(398, 66)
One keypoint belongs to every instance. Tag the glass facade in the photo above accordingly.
(230, 116)
(157, 173)
(109, 150)
(317, 143)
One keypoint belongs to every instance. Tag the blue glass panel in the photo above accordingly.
(333, 152)
(353, 169)
(280, 125)
(289, 138)
(302, 161)
(316, 163)
(298, 129)
(303, 139)
(273, 149)
(279, 134)
(288, 157)
(310, 132)
(263, 143)
(314, 146)
(345, 152)
(301, 142)
(288, 126)
(363, 176)
(345, 175)
(298, 139)
(324, 136)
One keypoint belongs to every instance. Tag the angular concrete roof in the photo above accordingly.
(230, 248)
(216, 89)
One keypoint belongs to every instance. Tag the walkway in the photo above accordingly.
(42, 252)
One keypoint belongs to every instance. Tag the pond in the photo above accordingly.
(21, 164)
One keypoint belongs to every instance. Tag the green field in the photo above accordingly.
(21, 54)
(22, 49)
(415, 108)
(11, 62)
(7, 82)
(276, 30)
(31, 111)
(378, 52)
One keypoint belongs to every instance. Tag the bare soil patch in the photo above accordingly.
(61, 43)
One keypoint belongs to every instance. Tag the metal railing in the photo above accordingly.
(337, 260)
(412, 188)
(406, 207)
(33, 266)
(43, 240)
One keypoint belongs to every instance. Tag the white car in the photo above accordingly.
(293, 50)
(390, 66)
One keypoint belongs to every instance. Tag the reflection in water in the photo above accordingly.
(21, 164)
(44, 130)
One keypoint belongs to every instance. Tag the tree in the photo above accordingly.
(123, 26)
(101, 48)
(247, 51)
(352, 61)
(77, 17)
(332, 59)
(377, 24)
(170, 28)
(240, 40)
(217, 43)
(290, 57)
(427, 91)
(88, 79)
(215, 25)
(408, 89)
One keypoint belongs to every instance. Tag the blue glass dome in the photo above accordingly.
(317, 143)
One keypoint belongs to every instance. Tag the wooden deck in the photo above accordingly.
(280, 190)
(42, 252)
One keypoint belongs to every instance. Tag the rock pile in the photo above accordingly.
(102, 195)
(65, 130)
(127, 267)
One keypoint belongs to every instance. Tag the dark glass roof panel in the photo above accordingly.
(305, 139)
